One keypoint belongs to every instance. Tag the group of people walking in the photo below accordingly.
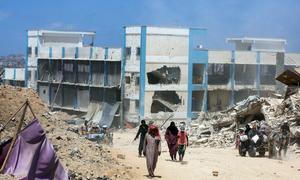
(150, 143)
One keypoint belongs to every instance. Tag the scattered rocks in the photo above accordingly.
(121, 156)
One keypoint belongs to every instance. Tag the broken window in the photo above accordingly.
(164, 75)
(29, 49)
(137, 81)
(127, 80)
(198, 73)
(165, 101)
(36, 51)
(128, 52)
(138, 51)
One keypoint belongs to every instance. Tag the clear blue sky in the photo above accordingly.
(222, 18)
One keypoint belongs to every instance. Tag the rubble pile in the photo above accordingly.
(217, 129)
(212, 130)
(288, 110)
(82, 158)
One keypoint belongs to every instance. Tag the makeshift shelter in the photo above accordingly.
(29, 154)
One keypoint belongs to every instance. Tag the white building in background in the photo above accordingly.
(70, 73)
(14, 76)
(37, 39)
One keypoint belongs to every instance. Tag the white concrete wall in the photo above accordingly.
(165, 45)
(219, 57)
(98, 53)
(245, 57)
(268, 58)
(168, 31)
(114, 54)
(20, 74)
(9, 73)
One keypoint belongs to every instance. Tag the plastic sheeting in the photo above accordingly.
(33, 156)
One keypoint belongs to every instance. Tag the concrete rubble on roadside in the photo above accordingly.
(217, 129)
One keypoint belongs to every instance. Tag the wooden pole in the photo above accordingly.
(30, 108)
(13, 116)
(15, 136)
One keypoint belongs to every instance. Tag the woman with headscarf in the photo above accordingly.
(171, 138)
(152, 148)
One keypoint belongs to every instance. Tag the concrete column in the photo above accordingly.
(280, 88)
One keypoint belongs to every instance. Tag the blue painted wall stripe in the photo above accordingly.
(123, 65)
(15, 73)
(50, 52)
(196, 56)
(63, 52)
(142, 70)
(258, 73)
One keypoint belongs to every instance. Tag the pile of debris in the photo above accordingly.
(82, 158)
(218, 129)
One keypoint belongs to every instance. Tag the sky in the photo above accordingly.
(221, 18)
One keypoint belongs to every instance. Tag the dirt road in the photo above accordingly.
(200, 162)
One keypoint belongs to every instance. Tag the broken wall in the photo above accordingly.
(165, 101)
(166, 74)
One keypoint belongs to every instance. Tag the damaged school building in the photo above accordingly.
(159, 72)
(71, 74)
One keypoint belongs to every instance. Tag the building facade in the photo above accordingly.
(70, 73)
(168, 72)
(163, 72)
(159, 72)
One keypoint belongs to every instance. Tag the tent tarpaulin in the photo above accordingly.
(33, 156)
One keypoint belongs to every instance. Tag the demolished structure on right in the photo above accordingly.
(169, 72)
